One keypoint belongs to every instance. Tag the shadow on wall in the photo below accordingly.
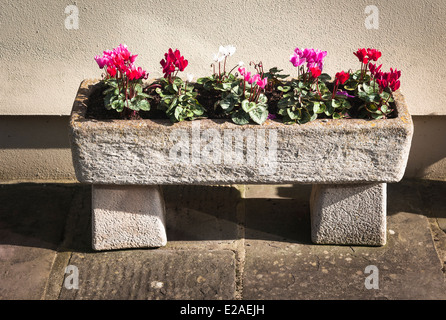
(427, 158)
(34, 132)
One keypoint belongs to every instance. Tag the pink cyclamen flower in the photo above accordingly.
(254, 79)
(247, 77)
(344, 93)
(296, 60)
(132, 58)
(262, 82)
(313, 57)
(242, 71)
(172, 61)
(101, 61)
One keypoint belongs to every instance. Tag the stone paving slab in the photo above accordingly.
(226, 242)
(406, 268)
(32, 220)
(152, 275)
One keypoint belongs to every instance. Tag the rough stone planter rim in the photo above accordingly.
(351, 140)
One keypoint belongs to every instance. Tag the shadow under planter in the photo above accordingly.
(348, 161)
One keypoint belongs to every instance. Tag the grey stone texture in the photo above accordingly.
(342, 153)
(349, 214)
(127, 217)
(209, 151)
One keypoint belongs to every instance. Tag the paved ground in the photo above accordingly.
(249, 243)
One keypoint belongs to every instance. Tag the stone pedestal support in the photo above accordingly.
(349, 214)
(127, 217)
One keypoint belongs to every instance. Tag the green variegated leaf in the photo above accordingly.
(318, 107)
(259, 114)
(143, 105)
(248, 106)
(324, 77)
(284, 88)
(306, 117)
(240, 117)
(294, 115)
(329, 108)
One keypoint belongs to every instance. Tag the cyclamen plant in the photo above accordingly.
(124, 82)
(373, 86)
(220, 79)
(243, 99)
(243, 96)
(178, 98)
(253, 103)
(308, 95)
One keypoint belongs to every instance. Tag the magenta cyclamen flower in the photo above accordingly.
(248, 77)
(262, 82)
(256, 78)
(120, 59)
(102, 61)
(296, 60)
(312, 58)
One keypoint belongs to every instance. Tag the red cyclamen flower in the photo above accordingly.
(373, 54)
(111, 70)
(135, 74)
(315, 72)
(173, 60)
(342, 77)
(362, 55)
(388, 79)
(374, 70)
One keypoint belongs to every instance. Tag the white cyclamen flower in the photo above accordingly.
(241, 63)
(190, 77)
(226, 50)
(230, 49)
(218, 57)
(222, 51)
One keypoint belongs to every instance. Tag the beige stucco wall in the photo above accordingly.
(43, 62)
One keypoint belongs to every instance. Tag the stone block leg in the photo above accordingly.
(127, 217)
(349, 214)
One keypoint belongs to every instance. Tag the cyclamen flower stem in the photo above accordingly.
(244, 88)
(335, 89)
(126, 92)
(317, 87)
(232, 69)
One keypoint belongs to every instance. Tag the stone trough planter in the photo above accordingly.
(348, 162)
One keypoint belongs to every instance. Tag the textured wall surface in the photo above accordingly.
(43, 62)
